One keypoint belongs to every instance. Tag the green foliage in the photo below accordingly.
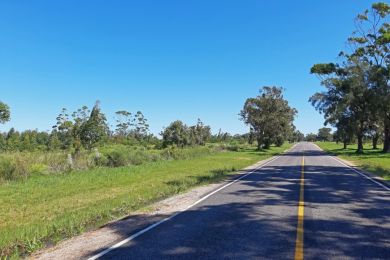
(94, 129)
(180, 135)
(311, 137)
(176, 134)
(357, 96)
(323, 68)
(116, 158)
(269, 116)
(53, 207)
(5, 114)
(324, 134)
(199, 134)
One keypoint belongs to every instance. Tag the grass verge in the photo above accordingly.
(43, 210)
(371, 160)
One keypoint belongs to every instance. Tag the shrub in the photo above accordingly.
(38, 169)
(13, 168)
(116, 159)
(7, 169)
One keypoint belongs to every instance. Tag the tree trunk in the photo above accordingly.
(375, 141)
(345, 143)
(259, 143)
(360, 143)
(386, 140)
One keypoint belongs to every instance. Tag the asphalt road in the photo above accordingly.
(346, 216)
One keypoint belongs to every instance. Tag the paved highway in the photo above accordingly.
(303, 204)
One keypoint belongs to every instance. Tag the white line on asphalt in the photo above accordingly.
(139, 233)
(359, 172)
(362, 174)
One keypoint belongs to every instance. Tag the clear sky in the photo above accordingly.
(170, 59)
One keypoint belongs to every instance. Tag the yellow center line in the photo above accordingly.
(301, 213)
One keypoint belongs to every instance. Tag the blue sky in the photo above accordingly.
(169, 59)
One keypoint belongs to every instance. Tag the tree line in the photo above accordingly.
(87, 128)
(357, 96)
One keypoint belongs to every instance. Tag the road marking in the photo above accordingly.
(139, 233)
(352, 168)
(362, 174)
(301, 213)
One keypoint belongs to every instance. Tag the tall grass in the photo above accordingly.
(48, 208)
(22, 165)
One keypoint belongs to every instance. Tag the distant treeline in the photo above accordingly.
(86, 129)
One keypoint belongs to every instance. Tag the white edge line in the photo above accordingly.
(139, 233)
(362, 174)
(359, 172)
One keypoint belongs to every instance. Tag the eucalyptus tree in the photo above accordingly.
(269, 116)
(141, 127)
(176, 134)
(199, 133)
(5, 114)
(95, 128)
(347, 95)
(324, 134)
(371, 43)
(63, 129)
(123, 123)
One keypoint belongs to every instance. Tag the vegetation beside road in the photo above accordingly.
(47, 208)
(372, 160)
(356, 98)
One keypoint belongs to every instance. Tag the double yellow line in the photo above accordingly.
(301, 213)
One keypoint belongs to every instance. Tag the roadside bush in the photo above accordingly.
(7, 169)
(13, 168)
(116, 159)
(18, 165)
(174, 153)
(38, 169)
(98, 160)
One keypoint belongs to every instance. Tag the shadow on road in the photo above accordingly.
(345, 217)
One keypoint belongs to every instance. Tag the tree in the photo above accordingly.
(324, 134)
(3, 142)
(347, 97)
(199, 133)
(13, 140)
(94, 129)
(297, 136)
(269, 116)
(141, 127)
(176, 134)
(54, 142)
(124, 123)
(371, 43)
(5, 114)
(345, 130)
(64, 129)
(311, 137)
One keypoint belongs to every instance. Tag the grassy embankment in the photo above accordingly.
(45, 209)
(371, 160)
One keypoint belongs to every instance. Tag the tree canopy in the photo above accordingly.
(5, 114)
(357, 96)
(269, 116)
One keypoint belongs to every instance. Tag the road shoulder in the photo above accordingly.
(87, 244)
(353, 166)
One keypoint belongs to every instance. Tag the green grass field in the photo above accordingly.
(371, 160)
(47, 209)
